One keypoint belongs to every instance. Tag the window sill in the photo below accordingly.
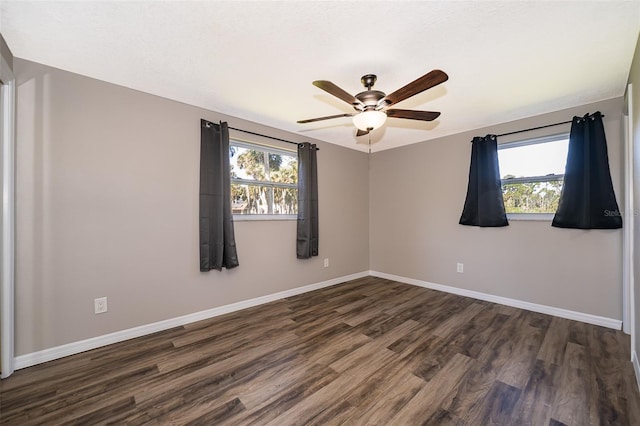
(541, 217)
(254, 217)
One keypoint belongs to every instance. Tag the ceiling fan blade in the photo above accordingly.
(362, 132)
(311, 120)
(423, 83)
(339, 93)
(412, 114)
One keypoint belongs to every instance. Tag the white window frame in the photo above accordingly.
(270, 149)
(525, 142)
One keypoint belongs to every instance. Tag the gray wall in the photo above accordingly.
(6, 52)
(634, 78)
(417, 195)
(107, 205)
(107, 202)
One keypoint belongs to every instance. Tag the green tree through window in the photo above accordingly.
(263, 180)
(533, 173)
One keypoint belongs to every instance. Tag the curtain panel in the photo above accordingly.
(484, 205)
(307, 232)
(587, 200)
(217, 239)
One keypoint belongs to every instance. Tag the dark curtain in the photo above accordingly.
(587, 200)
(484, 205)
(307, 237)
(217, 240)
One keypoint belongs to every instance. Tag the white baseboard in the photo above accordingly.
(550, 310)
(636, 367)
(27, 360)
(50, 354)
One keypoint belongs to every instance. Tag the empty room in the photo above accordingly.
(320, 212)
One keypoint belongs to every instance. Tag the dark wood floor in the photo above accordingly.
(367, 352)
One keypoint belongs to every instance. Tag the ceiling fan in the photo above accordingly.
(372, 105)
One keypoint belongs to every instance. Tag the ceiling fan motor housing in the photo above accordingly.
(370, 98)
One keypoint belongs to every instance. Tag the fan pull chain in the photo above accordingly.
(369, 158)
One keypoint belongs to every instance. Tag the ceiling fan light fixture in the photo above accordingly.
(369, 120)
(371, 105)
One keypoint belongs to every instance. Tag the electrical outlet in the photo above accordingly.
(100, 305)
(460, 268)
(326, 263)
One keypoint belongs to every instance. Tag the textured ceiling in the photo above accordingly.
(256, 60)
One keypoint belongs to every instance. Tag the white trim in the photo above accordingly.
(628, 265)
(7, 262)
(636, 367)
(50, 354)
(543, 217)
(253, 217)
(550, 310)
(627, 230)
(534, 141)
(247, 144)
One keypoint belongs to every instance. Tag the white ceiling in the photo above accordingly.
(256, 60)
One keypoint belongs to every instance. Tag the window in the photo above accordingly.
(264, 181)
(533, 173)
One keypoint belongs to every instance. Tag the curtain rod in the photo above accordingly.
(267, 136)
(537, 128)
(209, 123)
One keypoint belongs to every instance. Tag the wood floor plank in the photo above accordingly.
(261, 385)
(452, 324)
(336, 347)
(578, 333)
(231, 331)
(364, 313)
(607, 405)
(539, 320)
(385, 400)
(419, 301)
(228, 371)
(80, 400)
(444, 418)
(469, 399)
(555, 341)
(456, 342)
(284, 396)
(430, 398)
(219, 413)
(631, 393)
(534, 407)
(499, 405)
(517, 370)
(571, 404)
(66, 372)
(487, 324)
(202, 389)
(357, 303)
(309, 409)
(103, 414)
(420, 340)
(366, 352)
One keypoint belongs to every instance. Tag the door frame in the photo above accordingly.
(7, 261)
(628, 268)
